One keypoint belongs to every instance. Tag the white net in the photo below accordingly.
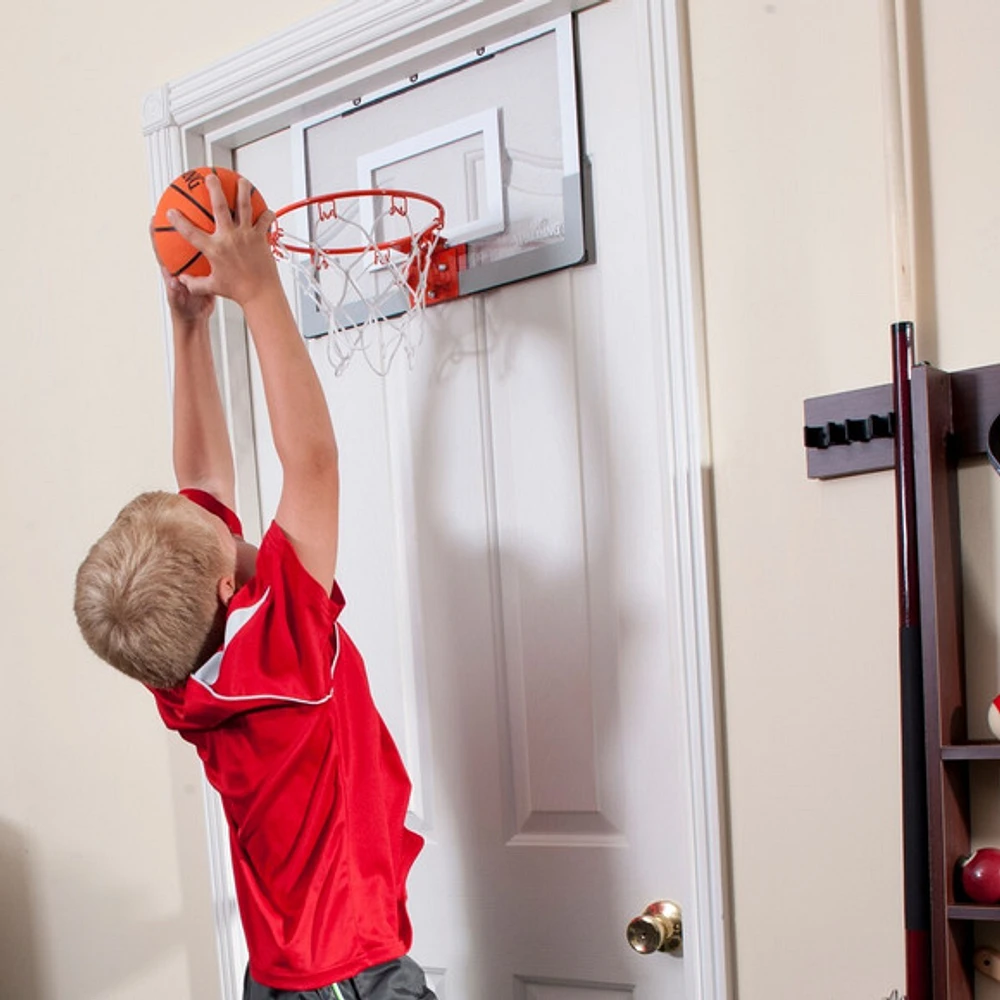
(362, 259)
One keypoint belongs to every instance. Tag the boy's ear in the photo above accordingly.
(226, 589)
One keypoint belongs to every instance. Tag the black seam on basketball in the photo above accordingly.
(195, 202)
(164, 229)
(181, 270)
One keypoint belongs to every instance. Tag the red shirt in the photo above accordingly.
(311, 782)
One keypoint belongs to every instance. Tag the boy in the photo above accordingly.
(244, 655)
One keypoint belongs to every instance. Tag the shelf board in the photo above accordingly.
(986, 750)
(973, 911)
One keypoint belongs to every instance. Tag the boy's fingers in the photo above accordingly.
(220, 207)
(198, 238)
(197, 286)
(244, 213)
(266, 220)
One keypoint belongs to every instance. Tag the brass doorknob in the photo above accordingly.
(657, 928)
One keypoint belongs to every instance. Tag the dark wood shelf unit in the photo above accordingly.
(939, 552)
(971, 751)
(970, 911)
(952, 413)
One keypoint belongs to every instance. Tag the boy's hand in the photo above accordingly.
(242, 263)
(186, 307)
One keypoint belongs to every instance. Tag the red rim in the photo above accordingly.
(403, 243)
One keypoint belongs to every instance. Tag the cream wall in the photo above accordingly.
(103, 880)
(103, 877)
(798, 299)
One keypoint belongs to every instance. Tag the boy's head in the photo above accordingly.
(152, 593)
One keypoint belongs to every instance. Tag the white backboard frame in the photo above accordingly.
(485, 124)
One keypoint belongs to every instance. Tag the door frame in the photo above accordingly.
(360, 45)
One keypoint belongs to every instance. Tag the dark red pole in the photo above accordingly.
(916, 853)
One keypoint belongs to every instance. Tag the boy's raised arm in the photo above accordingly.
(201, 450)
(244, 270)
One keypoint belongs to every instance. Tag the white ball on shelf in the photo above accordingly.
(993, 718)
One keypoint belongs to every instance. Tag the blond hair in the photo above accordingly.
(147, 593)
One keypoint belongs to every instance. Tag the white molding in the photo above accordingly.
(685, 459)
(232, 952)
(357, 44)
(351, 41)
(156, 110)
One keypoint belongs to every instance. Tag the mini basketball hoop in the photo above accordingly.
(369, 261)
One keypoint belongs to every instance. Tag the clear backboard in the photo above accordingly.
(494, 137)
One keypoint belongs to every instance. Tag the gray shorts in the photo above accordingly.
(401, 979)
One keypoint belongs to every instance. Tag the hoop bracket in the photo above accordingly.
(442, 278)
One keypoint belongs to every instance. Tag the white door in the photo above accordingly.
(513, 521)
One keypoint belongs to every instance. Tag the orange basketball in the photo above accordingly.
(189, 195)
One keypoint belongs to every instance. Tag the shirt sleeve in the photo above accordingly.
(281, 645)
(215, 506)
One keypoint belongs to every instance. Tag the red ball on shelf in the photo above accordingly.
(980, 875)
